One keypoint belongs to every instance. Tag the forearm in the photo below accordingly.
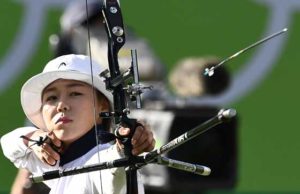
(14, 147)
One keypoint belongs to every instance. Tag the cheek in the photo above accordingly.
(45, 108)
(47, 112)
(85, 107)
(84, 110)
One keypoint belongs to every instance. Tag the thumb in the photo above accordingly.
(124, 131)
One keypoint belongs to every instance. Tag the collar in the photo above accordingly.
(85, 143)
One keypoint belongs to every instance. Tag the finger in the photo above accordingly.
(120, 146)
(45, 158)
(137, 135)
(123, 131)
(145, 147)
(143, 143)
(49, 161)
(46, 148)
(54, 140)
(145, 135)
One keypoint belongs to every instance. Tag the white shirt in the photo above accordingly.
(113, 180)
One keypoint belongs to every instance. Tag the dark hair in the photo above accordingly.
(106, 122)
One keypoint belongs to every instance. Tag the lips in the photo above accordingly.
(63, 119)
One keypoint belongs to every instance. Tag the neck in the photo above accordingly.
(79, 147)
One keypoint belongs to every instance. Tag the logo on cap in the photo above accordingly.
(62, 64)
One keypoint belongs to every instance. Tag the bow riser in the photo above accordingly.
(116, 39)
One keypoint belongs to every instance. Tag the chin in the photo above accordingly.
(61, 134)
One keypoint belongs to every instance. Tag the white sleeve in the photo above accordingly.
(14, 148)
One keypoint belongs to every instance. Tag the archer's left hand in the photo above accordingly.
(142, 139)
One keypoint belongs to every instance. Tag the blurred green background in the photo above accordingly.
(268, 134)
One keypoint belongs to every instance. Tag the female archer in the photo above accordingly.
(64, 102)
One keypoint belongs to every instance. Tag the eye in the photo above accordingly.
(75, 94)
(50, 98)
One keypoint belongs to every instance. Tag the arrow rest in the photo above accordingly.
(133, 90)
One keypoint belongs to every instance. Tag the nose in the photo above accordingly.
(62, 107)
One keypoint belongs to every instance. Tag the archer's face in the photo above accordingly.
(68, 109)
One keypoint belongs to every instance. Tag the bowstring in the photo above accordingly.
(93, 91)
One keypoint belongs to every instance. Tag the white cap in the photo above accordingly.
(73, 67)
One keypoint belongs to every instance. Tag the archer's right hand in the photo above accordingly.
(49, 149)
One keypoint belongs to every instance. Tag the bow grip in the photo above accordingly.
(132, 124)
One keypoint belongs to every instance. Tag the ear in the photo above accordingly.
(103, 105)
